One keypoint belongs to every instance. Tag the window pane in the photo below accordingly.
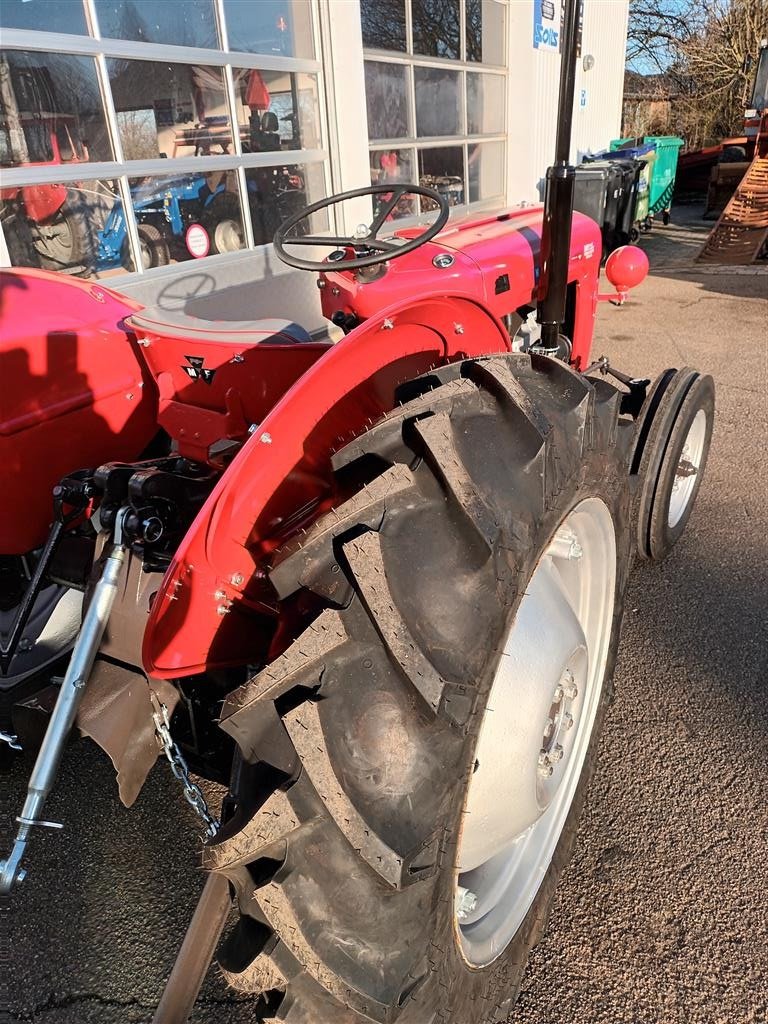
(277, 110)
(44, 16)
(486, 171)
(276, 193)
(438, 102)
(436, 31)
(60, 227)
(386, 98)
(383, 24)
(270, 26)
(486, 31)
(169, 109)
(166, 207)
(394, 165)
(50, 110)
(180, 22)
(443, 170)
(485, 104)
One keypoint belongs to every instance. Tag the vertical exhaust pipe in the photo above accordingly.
(558, 197)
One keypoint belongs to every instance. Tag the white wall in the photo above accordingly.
(533, 88)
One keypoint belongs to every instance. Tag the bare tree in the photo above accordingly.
(704, 50)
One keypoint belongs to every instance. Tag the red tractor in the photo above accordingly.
(374, 586)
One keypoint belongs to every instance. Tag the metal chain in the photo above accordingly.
(192, 792)
(10, 739)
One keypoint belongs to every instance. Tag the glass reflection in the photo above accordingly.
(436, 31)
(442, 169)
(178, 22)
(59, 226)
(277, 110)
(166, 208)
(276, 193)
(282, 27)
(43, 16)
(396, 166)
(386, 99)
(50, 110)
(383, 24)
(438, 102)
(169, 110)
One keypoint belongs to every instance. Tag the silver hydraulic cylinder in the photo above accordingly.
(63, 717)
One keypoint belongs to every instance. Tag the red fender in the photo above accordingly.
(214, 608)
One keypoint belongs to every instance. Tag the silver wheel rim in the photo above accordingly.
(687, 469)
(535, 732)
(227, 236)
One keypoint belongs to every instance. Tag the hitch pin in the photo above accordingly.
(72, 688)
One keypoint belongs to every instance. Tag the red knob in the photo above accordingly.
(627, 267)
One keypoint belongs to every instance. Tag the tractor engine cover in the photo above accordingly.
(75, 393)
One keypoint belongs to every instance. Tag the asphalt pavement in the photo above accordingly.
(662, 915)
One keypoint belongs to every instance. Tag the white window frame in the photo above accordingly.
(416, 143)
(120, 170)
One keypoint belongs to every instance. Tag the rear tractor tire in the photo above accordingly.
(418, 757)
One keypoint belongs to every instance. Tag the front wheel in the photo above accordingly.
(224, 223)
(428, 738)
(153, 247)
(673, 438)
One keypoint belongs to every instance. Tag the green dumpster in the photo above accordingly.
(662, 183)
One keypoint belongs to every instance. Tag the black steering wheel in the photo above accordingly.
(370, 249)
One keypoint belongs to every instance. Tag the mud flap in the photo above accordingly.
(116, 713)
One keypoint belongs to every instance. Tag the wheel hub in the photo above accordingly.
(687, 469)
(535, 731)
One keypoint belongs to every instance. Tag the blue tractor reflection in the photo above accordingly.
(165, 210)
(164, 213)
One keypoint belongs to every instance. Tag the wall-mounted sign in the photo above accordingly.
(548, 18)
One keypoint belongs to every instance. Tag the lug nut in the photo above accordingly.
(568, 720)
(556, 753)
(571, 691)
(466, 901)
(557, 696)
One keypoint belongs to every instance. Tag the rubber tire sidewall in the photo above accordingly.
(661, 536)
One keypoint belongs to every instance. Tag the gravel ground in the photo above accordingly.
(661, 918)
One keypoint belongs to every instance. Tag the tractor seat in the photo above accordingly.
(171, 323)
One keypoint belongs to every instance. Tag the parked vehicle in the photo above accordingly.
(164, 211)
(375, 587)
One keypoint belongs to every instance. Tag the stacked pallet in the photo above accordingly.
(741, 233)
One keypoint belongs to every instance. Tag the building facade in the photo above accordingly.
(157, 144)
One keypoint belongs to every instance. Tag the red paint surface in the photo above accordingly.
(485, 251)
(67, 369)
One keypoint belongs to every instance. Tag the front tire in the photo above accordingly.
(673, 436)
(224, 224)
(349, 851)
